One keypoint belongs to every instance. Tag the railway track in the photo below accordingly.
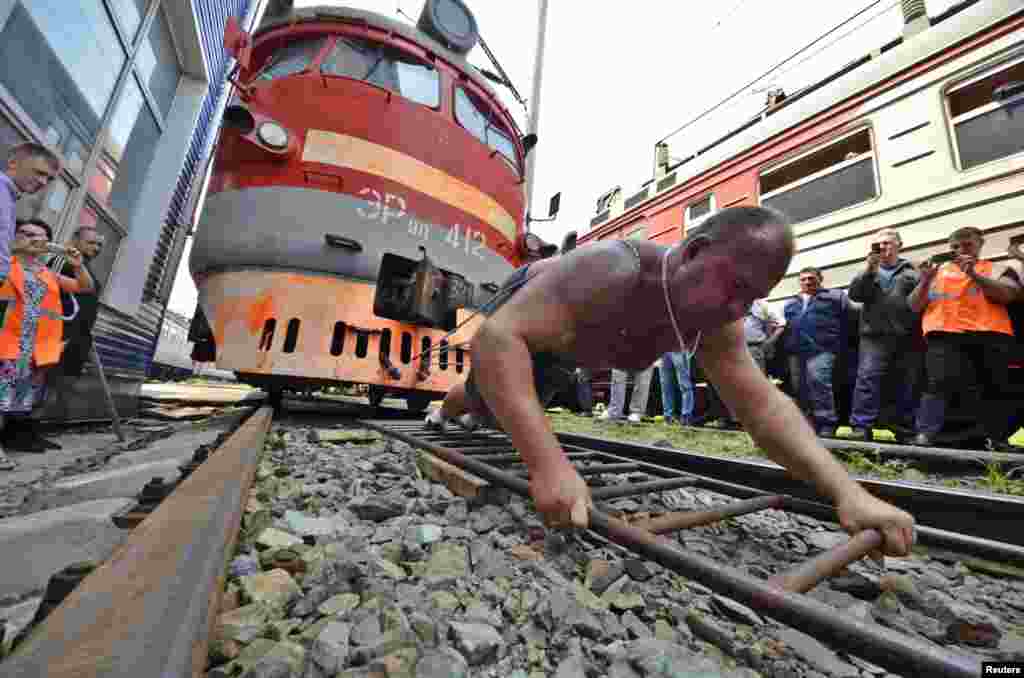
(485, 455)
(151, 608)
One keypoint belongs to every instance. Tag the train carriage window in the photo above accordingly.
(473, 116)
(384, 67)
(697, 212)
(840, 174)
(987, 115)
(293, 58)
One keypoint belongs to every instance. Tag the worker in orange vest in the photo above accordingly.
(968, 331)
(32, 324)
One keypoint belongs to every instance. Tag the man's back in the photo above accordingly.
(584, 307)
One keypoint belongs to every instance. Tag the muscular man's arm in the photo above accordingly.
(503, 371)
(771, 418)
(779, 428)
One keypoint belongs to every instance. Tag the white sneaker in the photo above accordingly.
(434, 421)
(469, 422)
(634, 419)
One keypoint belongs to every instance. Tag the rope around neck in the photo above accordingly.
(671, 314)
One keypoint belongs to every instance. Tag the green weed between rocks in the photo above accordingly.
(998, 480)
(722, 443)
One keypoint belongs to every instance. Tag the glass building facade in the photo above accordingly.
(129, 93)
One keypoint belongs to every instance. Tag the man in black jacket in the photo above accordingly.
(888, 330)
(78, 332)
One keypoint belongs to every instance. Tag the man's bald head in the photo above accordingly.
(761, 233)
(736, 256)
(764, 224)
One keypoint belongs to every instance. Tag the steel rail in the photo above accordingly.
(933, 456)
(994, 518)
(150, 609)
(884, 647)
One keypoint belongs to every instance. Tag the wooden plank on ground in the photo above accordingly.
(454, 478)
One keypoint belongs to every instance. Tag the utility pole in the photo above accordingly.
(538, 63)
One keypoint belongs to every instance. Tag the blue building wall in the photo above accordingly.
(127, 344)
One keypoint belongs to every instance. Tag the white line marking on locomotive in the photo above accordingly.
(382, 208)
(387, 212)
(376, 205)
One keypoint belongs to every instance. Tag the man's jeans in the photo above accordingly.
(890, 360)
(676, 386)
(641, 390)
(811, 376)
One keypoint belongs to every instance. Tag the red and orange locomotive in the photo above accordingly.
(366, 196)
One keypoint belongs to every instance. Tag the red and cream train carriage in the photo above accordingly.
(925, 134)
(366, 196)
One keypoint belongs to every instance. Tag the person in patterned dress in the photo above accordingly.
(31, 325)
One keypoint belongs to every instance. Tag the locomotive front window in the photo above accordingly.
(473, 116)
(293, 58)
(385, 68)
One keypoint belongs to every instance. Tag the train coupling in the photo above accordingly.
(419, 292)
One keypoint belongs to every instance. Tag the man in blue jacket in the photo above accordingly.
(815, 331)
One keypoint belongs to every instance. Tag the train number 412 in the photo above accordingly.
(471, 240)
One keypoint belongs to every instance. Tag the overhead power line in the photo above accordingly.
(770, 71)
(839, 39)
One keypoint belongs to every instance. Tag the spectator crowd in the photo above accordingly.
(932, 352)
(48, 304)
(906, 348)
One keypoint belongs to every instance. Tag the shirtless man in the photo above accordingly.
(624, 303)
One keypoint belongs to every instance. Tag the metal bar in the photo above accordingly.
(500, 459)
(150, 609)
(670, 522)
(595, 469)
(806, 575)
(630, 489)
(115, 420)
(885, 647)
(992, 518)
(938, 455)
(497, 450)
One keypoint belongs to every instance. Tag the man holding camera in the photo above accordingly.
(968, 329)
(887, 333)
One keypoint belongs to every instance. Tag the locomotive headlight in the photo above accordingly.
(273, 135)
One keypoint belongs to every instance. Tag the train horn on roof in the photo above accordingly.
(451, 23)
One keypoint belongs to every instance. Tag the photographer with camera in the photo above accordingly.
(888, 328)
(966, 324)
